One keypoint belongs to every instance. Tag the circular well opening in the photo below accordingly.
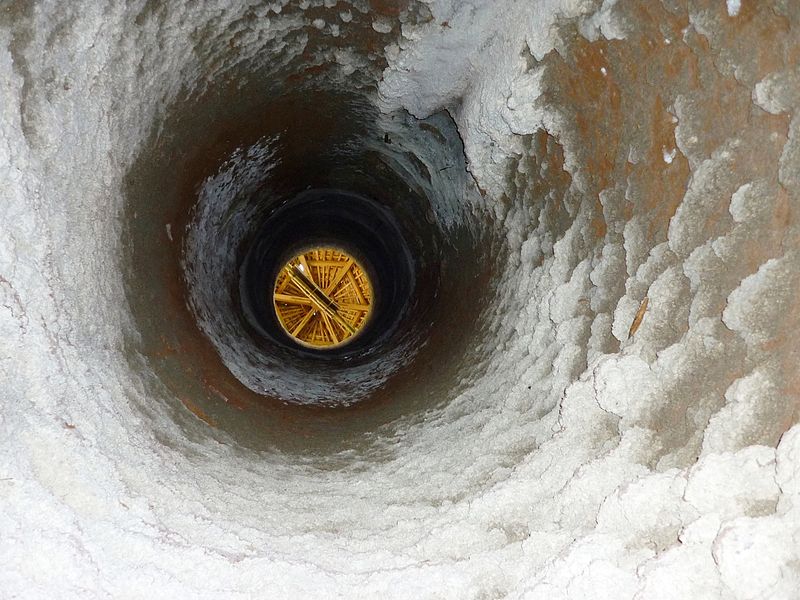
(322, 298)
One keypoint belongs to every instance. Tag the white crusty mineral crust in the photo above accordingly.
(577, 461)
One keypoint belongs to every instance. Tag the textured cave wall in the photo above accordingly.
(618, 422)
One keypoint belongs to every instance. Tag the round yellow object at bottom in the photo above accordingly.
(322, 298)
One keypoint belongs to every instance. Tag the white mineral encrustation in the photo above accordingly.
(594, 392)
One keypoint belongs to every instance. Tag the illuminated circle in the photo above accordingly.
(322, 298)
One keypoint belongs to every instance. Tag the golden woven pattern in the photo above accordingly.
(322, 297)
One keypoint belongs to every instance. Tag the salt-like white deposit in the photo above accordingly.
(585, 458)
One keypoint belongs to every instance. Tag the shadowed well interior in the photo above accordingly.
(257, 180)
(578, 377)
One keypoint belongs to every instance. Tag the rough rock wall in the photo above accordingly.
(624, 422)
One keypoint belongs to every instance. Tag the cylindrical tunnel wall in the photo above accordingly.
(241, 185)
(582, 378)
